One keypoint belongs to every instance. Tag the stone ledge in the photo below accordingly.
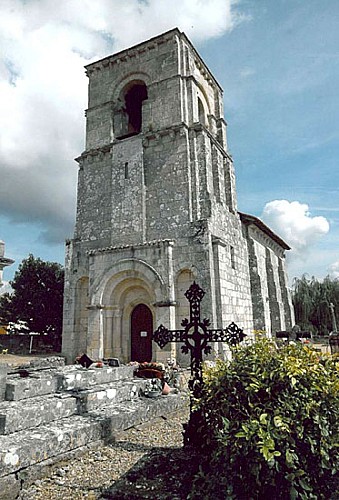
(52, 443)
(18, 388)
(29, 413)
(108, 394)
(25, 448)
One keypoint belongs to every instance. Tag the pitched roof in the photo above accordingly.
(250, 219)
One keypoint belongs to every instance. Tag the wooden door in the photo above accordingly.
(141, 333)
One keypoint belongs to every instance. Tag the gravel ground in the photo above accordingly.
(146, 461)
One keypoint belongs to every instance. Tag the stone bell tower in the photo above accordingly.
(156, 205)
(155, 157)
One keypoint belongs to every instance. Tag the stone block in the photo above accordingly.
(28, 413)
(51, 362)
(78, 378)
(3, 380)
(25, 448)
(9, 487)
(108, 394)
(136, 412)
(36, 385)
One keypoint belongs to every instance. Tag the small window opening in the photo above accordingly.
(201, 111)
(126, 170)
(232, 257)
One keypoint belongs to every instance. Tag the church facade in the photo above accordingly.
(157, 209)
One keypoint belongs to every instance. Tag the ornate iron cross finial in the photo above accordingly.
(196, 336)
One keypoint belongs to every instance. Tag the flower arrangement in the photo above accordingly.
(153, 388)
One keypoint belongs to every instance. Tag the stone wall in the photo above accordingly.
(156, 202)
(271, 298)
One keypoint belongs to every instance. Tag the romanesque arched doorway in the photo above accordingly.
(141, 333)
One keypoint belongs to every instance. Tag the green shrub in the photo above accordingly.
(267, 425)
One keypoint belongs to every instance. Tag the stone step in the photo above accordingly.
(69, 378)
(78, 378)
(40, 410)
(29, 413)
(109, 394)
(25, 448)
(127, 414)
(37, 384)
(24, 453)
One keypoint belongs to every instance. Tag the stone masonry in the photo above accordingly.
(52, 412)
(157, 208)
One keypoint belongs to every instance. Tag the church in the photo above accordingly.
(157, 209)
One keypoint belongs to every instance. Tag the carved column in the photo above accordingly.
(116, 332)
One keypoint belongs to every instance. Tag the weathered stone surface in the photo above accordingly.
(28, 413)
(38, 430)
(126, 415)
(77, 378)
(9, 487)
(3, 380)
(46, 362)
(36, 384)
(108, 394)
(24, 448)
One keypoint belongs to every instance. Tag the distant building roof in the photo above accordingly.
(250, 219)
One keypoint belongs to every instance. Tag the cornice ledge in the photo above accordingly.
(102, 150)
(125, 247)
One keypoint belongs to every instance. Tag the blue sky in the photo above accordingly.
(278, 63)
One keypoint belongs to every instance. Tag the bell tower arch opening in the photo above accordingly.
(132, 97)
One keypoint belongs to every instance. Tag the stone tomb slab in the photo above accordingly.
(36, 384)
(78, 378)
(29, 447)
(26, 448)
(28, 413)
(109, 394)
(125, 415)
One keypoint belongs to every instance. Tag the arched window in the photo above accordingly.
(132, 97)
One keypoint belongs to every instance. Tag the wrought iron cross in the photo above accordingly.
(196, 336)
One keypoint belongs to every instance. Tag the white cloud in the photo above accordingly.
(293, 222)
(334, 270)
(43, 90)
(247, 72)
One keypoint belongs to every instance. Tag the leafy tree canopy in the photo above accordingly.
(37, 296)
(312, 301)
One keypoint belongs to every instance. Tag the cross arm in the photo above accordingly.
(163, 336)
(232, 335)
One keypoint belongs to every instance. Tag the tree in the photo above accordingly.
(312, 299)
(37, 296)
